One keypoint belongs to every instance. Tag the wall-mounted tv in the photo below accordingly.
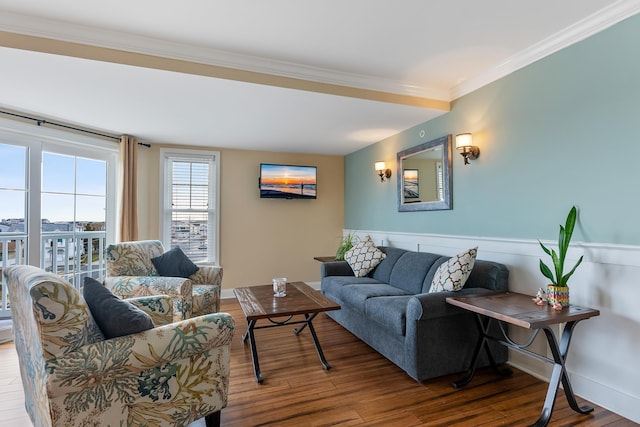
(287, 181)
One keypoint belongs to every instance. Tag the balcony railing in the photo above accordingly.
(13, 248)
(73, 256)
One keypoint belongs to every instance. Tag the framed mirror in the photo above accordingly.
(424, 176)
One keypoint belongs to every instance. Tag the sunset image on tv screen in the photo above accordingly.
(287, 181)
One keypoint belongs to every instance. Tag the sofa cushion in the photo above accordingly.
(383, 271)
(174, 263)
(114, 316)
(356, 295)
(452, 275)
(389, 312)
(333, 286)
(363, 257)
(410, 270)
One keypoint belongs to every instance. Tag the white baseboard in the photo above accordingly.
(607, 397)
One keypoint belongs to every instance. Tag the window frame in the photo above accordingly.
(37, 140)
(213, 238)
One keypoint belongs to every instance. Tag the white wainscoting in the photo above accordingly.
(602, 360)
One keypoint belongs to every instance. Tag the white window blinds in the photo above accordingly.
(189, 218)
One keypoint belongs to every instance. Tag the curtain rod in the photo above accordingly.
(46, 122)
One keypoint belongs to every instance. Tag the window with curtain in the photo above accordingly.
(189, 203)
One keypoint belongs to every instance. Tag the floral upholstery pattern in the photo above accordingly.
(171, 375)
(130, 273)
(159, 307)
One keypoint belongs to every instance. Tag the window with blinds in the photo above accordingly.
(440, 180)
(189, 219)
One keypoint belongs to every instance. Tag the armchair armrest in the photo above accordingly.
(127, 356)
(335, 268)
(159, 307)
(137, 286)
(434, 305)
(207, 275)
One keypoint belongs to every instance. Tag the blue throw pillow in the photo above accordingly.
(174, 263)
(114, 316)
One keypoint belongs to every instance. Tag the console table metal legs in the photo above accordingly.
(559, 373)
(558, 350)
(307, 322)
(482, 344)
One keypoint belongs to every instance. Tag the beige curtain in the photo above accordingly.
(128, 178)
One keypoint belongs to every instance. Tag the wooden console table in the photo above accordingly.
(518, 309)
(325, 258)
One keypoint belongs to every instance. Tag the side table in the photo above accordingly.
(518, 309)
(325, 258)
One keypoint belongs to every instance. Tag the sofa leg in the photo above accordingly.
(212, 420)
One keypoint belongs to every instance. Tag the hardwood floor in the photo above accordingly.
(361, 389)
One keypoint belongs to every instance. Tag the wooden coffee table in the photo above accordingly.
(518, 309)
(258, 302)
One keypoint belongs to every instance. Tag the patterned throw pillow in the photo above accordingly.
(452, 275)
(364, 257)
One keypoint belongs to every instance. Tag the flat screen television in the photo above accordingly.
(287, 181)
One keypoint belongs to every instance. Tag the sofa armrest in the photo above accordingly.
(434, 305)
(127, 356)
(159, 307)
(335, 268)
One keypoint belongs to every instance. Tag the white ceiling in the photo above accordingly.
(425, 51)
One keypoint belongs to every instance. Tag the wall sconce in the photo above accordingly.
(382, 170)
(464, 142)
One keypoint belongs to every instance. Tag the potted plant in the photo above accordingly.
(346, 243)
(558, 291)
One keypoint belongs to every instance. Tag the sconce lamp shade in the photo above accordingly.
(382, 170)
(464, 142)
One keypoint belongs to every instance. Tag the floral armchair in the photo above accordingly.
(130, 273)
(170, 375)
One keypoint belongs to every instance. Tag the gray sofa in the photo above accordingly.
(392, 311)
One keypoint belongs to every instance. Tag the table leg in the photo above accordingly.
(483, 324)
(308, 319)
(254, 350)
(559, 373)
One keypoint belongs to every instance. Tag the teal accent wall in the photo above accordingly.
(562, 131)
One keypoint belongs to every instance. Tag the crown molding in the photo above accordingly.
(85, 35)
(73, 33)
(593, 24)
